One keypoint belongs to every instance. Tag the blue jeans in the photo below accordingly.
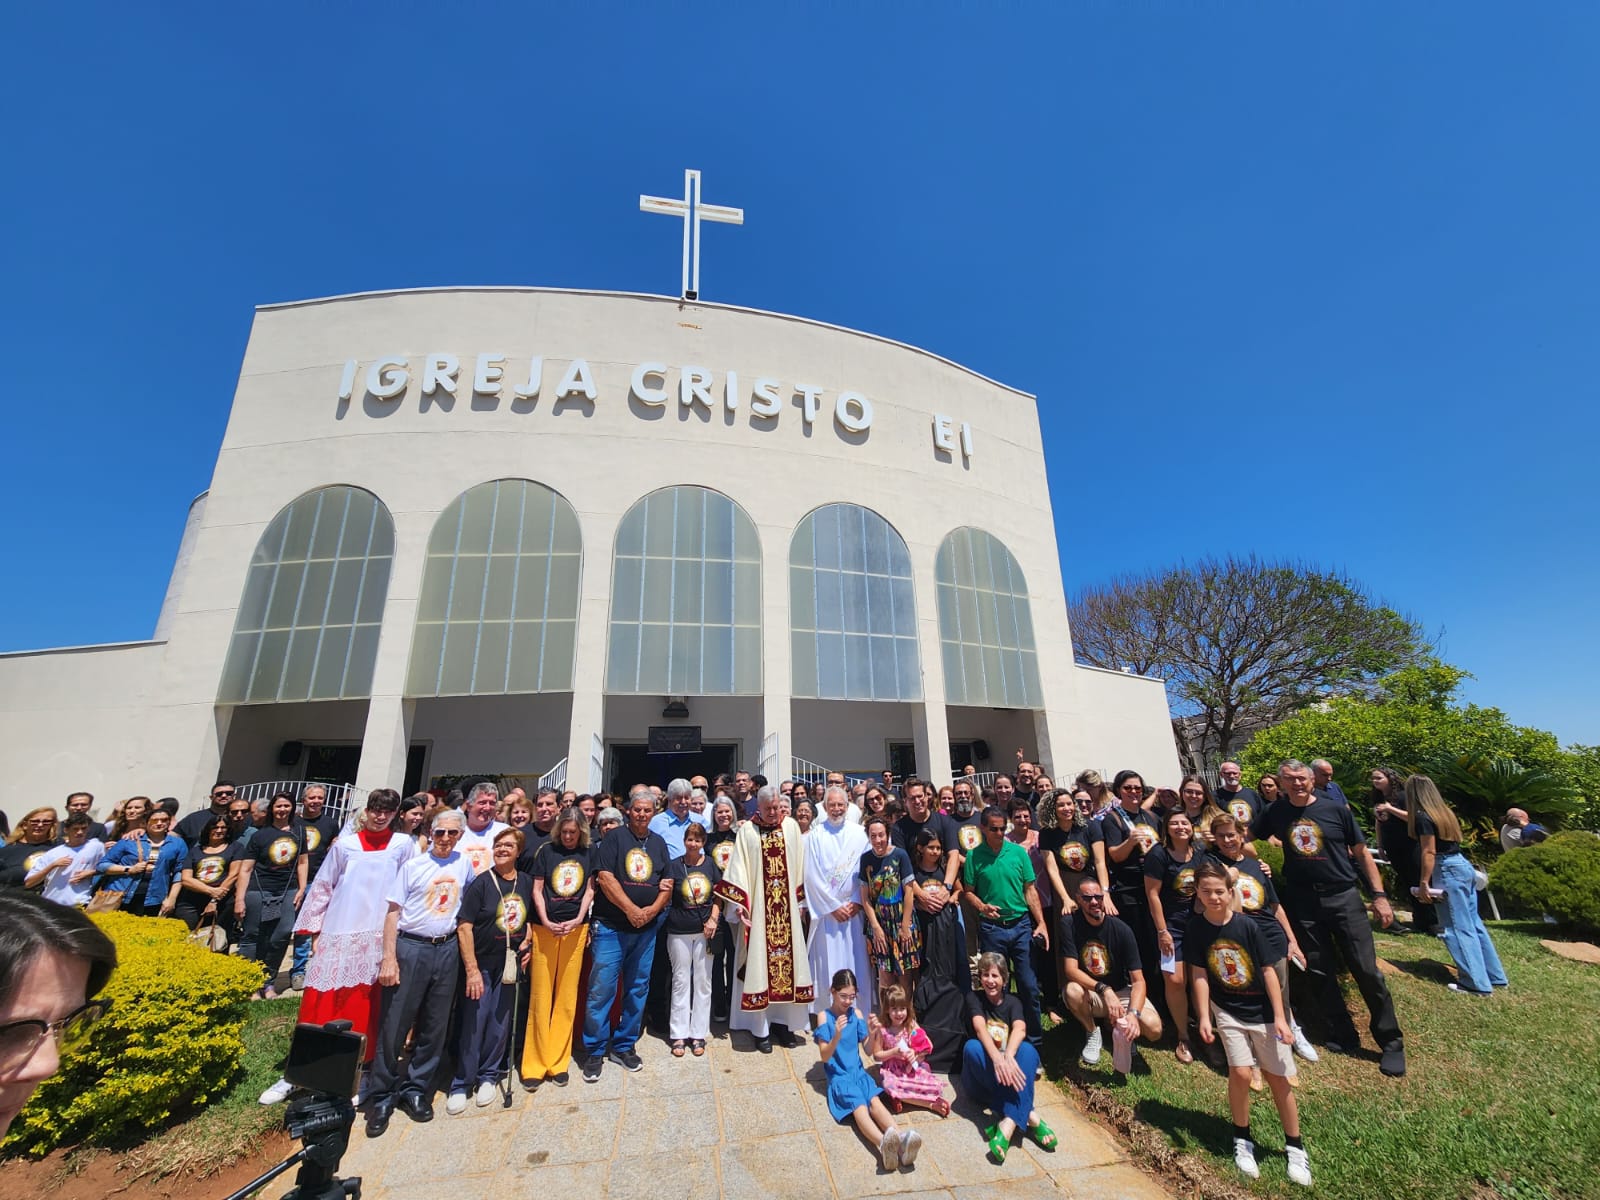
(302, 954)
(978, 1081)
(1464, 934)
(1015, 945)
(622, 958)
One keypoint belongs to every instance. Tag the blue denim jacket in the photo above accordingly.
(169, 862)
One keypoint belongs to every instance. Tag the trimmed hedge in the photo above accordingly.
(1273, 857)
(170, 1040)
(1560, 876)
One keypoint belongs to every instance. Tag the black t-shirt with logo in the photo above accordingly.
(969, 832)
(274, 851)
(1000, 1016)
(16, 860)
(903, 833)
(1073, 851)
(211, 867)
(690, 906)
(495, 907)
(719, 847)
(1107, 952)
(322, 831)
(532, 838)
(1258, 899)
(638, 864)
(1116, 826)
(1317, 840)
(564, 873)
(192, 829)
(1233, 956)
(1244, 806)
(1441, 847)
(1177, 881)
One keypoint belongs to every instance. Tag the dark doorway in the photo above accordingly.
(631, 764)
(337, 764)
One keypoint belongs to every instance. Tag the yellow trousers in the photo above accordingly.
(553, 973)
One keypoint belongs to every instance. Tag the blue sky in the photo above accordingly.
(1309, 280)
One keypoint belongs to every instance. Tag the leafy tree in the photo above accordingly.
(1483, 763)
(1242, 643)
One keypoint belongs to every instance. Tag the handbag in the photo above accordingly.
(209, 934)
(108, 899)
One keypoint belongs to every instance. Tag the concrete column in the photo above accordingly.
(589, 655)
(777, 664)
(208, 756)
(931, 733)
(385, 743)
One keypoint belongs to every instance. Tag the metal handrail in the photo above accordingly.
(343, 798)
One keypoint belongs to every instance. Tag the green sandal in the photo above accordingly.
(1044, 1135)
(999, 1143)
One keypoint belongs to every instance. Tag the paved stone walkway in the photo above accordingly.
(732, 1124)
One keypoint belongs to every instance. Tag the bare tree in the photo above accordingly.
(1242, 643)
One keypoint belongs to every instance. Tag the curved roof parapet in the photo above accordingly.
(681, 303)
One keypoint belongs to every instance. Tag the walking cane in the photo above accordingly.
(508, 978)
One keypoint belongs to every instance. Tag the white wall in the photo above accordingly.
(846, 735)
(522, 736)
(1125, 726)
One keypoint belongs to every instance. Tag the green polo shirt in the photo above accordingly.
(1000, 879)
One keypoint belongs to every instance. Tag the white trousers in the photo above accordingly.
(691, 985)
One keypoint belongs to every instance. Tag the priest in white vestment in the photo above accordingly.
(833, 866)
(763, 887)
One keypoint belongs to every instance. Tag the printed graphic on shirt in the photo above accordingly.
(1074, 857)
(695, 889)
(313, 838)
(1306, 838)
(31, 863)
(566, 880)
(1241, 811)
(211, 869)
(1184, 883)
(884, 885)
(1145, 836)
(512, 914)
(722, 855)
(479, 856)
(1231, 964)
(969, 837)
(1095, 959)
(1251, 894)
(444, 894)
(637, 866)
(282, 851)
(998, 1030)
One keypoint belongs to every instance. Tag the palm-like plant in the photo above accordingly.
(1480, 789)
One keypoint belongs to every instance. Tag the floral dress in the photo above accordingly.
(884, 881)
(914, 1081)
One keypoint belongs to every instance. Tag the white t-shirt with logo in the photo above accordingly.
(478, 848)
(428, 891)
(58, 885)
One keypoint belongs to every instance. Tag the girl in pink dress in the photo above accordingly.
(902, 1047)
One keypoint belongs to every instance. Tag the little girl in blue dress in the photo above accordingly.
(852, 1093)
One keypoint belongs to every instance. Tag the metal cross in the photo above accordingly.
(692, 212)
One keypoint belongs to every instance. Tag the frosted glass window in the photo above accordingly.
(307, 625)
(686, 598)
(498, 609)
(850, 574)
(985, 624)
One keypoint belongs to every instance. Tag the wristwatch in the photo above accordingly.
(1380, 895)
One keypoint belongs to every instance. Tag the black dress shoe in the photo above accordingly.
(378, 1118)
(416, 1107)
(764, 1044)
(782, 1037)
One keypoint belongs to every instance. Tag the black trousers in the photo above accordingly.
(1331, 926)
(721, 972)
(424, 998)
(1134, 909)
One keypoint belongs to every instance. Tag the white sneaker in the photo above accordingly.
(889, 1149)
(1092, 1047)
(456, 1104)
(277, 1093)
(910, 1143)
(1302, 1044)
(1299, 1166)
(486, 1094)
(1244, 1157)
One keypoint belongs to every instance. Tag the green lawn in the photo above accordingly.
(1501, 1099)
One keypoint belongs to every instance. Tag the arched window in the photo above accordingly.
(498, 611)
(308, 622)
(686, 597)
(985, 624)
(852, 608)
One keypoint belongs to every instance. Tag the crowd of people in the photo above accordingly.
(480, 940)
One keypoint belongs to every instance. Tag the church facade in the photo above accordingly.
(598, 538)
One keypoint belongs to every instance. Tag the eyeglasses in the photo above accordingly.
(847, 997)
(446, 833)
(20, 1040)
(228, 795)
(995, 828)
(1093, 898)
(1133, 787)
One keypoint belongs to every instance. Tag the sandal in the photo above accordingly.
(269, 992)
(1183, 1054)
(677, 1047)
(1043, 1134)
(697, 1047)
(999, 1143)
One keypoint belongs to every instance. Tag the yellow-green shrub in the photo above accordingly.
(170, 1039)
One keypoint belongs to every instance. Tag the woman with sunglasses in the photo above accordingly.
(53, 962)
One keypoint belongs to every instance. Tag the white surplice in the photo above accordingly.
(833, 865)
